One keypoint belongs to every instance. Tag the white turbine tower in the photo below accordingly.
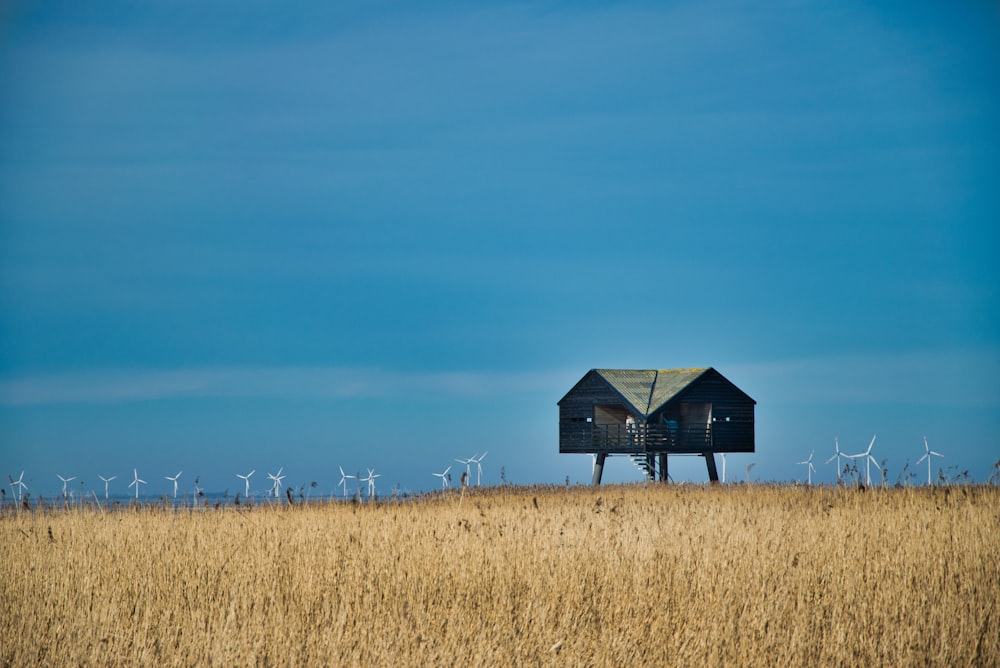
(277, 478)
(136, 481)
(810, 468)
(444, 477)
(837, 455)
(64, 482)
(19, 483)
(869, 460)
(246, 481)
(106, 481)
(928, 453)
(468, 466)
(478, 461)
(174, 480)
(371, 481)
(343, 480)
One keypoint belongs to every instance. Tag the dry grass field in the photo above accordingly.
(620, 575)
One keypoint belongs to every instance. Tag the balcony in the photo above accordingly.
(682, 437)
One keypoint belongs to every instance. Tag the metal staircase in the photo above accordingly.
(646, 465)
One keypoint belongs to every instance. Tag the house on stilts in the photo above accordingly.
(651, 414)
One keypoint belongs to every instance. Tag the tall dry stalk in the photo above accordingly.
(620, 575)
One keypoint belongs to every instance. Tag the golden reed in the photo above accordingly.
(618, 575)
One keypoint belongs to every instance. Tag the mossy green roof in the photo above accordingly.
(647, 390)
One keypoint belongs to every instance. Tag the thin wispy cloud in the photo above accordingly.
(941, 378)
(110, 386)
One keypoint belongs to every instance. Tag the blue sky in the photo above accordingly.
(388, 235)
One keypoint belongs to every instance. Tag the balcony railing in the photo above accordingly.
(652, 437)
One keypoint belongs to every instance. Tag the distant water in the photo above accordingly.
(202, 500)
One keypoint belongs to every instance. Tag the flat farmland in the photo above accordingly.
(617, 575)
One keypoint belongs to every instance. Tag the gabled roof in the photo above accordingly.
(646, 391)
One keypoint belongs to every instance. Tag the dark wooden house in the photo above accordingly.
(650, 414)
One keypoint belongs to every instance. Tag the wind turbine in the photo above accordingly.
(869, 460)
(343, 480)
(468, 466)
(810, 469)
(444, 477)
(137, 481)
(371, 481)
(246, 481)
(277, 478)
(20, 485)
(837, 455)
(478, 461)
(64, 481)
(927, 455)
(106, 481)
(174, 480)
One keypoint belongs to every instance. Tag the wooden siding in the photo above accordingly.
(576, 412)
(730, 428)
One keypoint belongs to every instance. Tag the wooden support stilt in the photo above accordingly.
(664, 473)
(598, 468)
(713, 473)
